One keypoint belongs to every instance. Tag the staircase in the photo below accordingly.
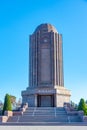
(46, 115)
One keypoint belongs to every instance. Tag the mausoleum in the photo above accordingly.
(46, 74)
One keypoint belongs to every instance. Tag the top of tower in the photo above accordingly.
(46, 28)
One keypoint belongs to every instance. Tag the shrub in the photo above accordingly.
(7, 104)
(82, 106)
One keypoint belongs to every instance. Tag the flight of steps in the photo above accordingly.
(45, 114)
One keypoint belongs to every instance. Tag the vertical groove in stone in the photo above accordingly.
(57, 75)
(52, 57)
(54, 61)
(32, 62)
(60, 61)
(58, 64)
(29, 62)
(36, 59)
(35, 63)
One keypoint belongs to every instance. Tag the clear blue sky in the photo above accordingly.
(19, 18)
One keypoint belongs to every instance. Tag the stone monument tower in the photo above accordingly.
(46, 78)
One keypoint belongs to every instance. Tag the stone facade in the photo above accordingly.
(46, 79)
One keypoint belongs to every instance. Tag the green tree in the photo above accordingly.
(82, 106)
(7, 104)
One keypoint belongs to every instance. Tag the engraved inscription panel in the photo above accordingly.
(45, 65)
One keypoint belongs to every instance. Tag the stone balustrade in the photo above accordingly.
(8, 114)
(70, 111)
(25, 106)
(17, 113)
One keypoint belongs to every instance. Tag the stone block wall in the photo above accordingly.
(61, 99)
(3, 118)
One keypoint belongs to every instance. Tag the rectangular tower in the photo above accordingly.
(46, 78)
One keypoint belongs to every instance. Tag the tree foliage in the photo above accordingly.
(74, 105)
(13, 99)
(82, 106)
(7, 103)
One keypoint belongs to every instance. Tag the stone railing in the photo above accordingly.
(81, 115)
(8, 114)
(17, 113)
(70, 111)
(25, 106)
(21, 111)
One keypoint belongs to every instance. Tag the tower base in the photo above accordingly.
(46, 97)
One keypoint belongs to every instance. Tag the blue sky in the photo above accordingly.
(19, 18)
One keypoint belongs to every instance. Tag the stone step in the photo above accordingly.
(50, 112)
(74, 119)
(43, 119)
(13, 119)
(45, 108)
(35, 114)
(44, 111)
(45, 114)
